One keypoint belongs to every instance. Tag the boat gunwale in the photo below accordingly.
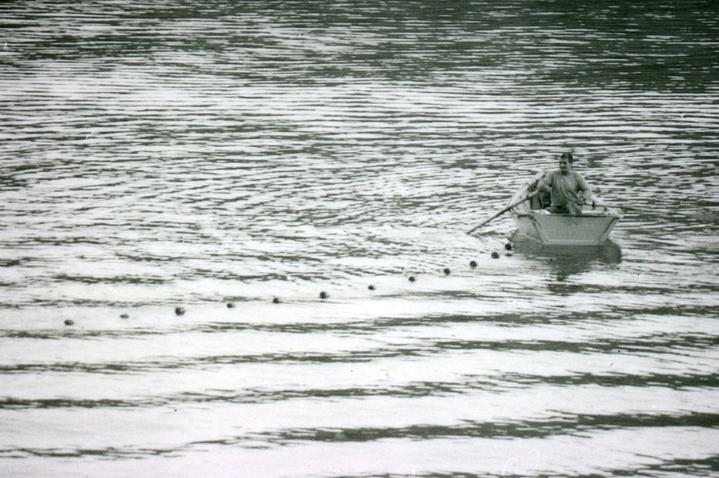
(536, 212)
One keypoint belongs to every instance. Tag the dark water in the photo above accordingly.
(164, 154)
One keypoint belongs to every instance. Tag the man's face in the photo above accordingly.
(563, 165)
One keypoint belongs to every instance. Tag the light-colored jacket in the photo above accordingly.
(569, 189)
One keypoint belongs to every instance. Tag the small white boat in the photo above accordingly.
(591, 228)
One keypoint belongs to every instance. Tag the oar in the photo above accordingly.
(706, 216)
(623, 207)
(527, 197)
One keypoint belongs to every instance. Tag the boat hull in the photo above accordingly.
(591, 229)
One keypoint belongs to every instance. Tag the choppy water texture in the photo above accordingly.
(171, 154)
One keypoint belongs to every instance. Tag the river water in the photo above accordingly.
(165, 154)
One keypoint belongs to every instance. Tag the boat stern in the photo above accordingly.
(587, 229)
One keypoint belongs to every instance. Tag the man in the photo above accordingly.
(567, 187)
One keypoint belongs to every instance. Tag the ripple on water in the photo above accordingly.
(187, 156)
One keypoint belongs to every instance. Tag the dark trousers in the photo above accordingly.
(569, 208)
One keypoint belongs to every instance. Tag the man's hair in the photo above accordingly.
(569, 156)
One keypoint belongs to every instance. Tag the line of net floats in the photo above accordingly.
(179, 311)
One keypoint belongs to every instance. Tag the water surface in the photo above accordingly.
(162, 154)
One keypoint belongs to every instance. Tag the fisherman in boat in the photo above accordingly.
(567, 189)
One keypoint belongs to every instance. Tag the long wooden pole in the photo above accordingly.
(527, 197)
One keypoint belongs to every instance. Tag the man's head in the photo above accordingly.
(565, 162)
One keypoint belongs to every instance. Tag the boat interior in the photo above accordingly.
(540, 201)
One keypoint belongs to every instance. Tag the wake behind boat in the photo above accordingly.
(590, 228)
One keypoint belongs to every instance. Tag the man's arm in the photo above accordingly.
(584, 188)
(545, 182)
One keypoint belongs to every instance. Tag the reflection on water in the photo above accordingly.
(565, 261)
